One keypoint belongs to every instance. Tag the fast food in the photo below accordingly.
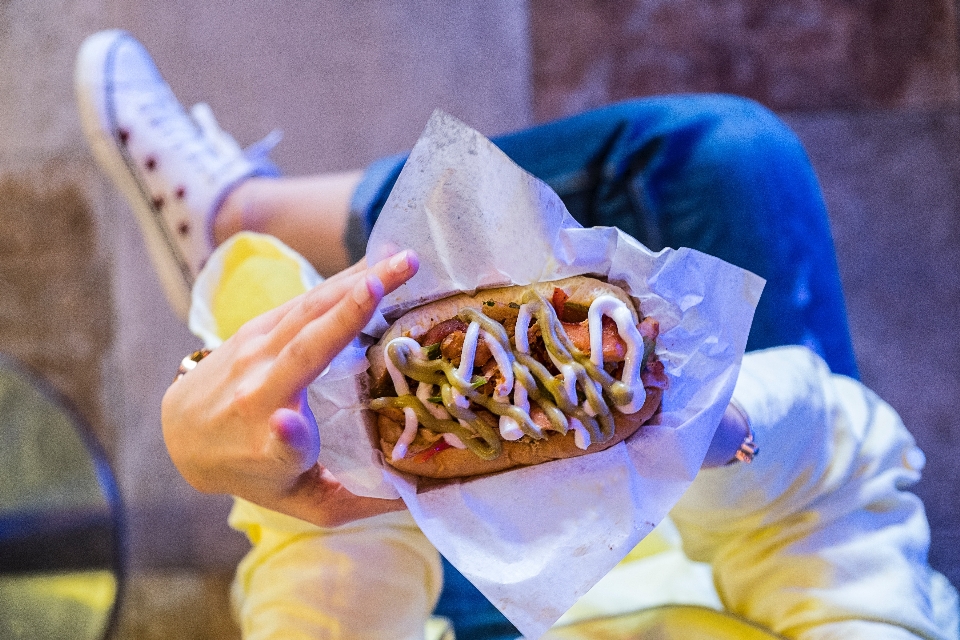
(474, 384)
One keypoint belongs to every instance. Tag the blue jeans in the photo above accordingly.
(715, 173)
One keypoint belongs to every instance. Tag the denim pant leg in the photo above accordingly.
(715, 173)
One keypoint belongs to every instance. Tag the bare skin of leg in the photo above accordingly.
(309, 214)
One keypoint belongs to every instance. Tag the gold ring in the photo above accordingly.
(190, 362)
(748, 448)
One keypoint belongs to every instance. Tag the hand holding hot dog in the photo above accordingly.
(238, 422)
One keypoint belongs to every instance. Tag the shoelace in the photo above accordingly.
(257, 154)
(198, 139)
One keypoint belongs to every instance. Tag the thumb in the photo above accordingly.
(294, 439)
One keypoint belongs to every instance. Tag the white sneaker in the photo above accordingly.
(174, 168)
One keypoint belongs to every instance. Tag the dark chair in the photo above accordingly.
(61, 518)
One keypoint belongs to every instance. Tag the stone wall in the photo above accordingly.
(807, 55)
(871, 87)
(346, 81)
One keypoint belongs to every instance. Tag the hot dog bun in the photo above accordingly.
(461, 463)
(430, 457)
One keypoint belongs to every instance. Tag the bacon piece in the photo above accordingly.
(614, 348)
(505, 314)
(491, 371)
(559, 299)
(653, 375)
(649, 328)
(440, 331)
(452, 347)
(483, 354)
(539, 417)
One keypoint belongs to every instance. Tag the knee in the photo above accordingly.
(737, 129)
(713, 134)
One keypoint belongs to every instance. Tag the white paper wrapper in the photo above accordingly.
(535, 539)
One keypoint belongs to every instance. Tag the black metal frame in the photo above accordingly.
(79, 526)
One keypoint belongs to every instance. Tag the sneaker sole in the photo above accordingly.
(93, 87)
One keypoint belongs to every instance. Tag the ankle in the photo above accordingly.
(239, 211)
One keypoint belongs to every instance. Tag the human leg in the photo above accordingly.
(190, 184)
(308, 214)
(671, 171)
(174, 167)
(714, 173)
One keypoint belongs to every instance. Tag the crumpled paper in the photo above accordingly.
(535, 539)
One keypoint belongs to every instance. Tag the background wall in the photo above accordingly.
(871, 86)
(346, 81)
(872, 89)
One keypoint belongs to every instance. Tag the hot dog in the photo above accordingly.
(475, 384)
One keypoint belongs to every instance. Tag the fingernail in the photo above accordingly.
(368, 288)
(400, 262)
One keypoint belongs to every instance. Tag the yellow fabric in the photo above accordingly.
(377, 578)
(374, 579)
(816, 539)
(257, 276)
(670, 622)
(57, 605)
(654, 574)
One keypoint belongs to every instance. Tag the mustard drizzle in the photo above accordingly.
(541, 386)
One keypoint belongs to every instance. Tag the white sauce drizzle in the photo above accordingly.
(503, 362)
(612, 307)
(605, 305)
(438, 411)
(467, 356)
(454, 441)
(520, 337)
(410, 423)
(581, 437)
(510, 429)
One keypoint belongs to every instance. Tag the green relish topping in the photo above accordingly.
(549, 392)
(485, 443)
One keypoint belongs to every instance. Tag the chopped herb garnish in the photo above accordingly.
(476, 383)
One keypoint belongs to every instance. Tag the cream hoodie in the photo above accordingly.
(818, 539)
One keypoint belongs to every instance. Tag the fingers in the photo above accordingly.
(311, 305)
(316, 344)
(356, 267)
(312, 348)
(322, 297)
(293, 441)
(319, 498)
(269, 320)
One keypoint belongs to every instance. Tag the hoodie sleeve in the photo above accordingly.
(377, 578)
(818, 538)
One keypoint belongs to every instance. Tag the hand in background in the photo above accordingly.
(238, 422)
